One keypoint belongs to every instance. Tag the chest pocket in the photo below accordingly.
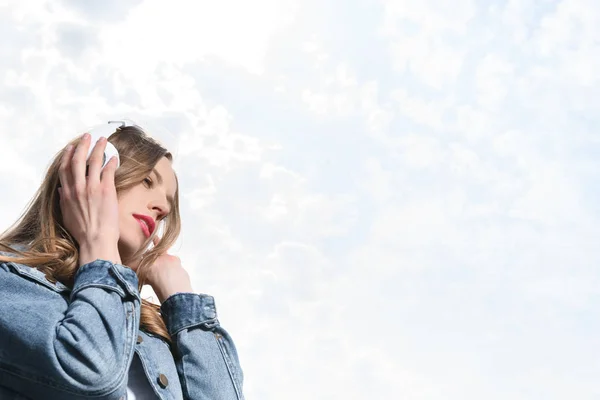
(37, 276)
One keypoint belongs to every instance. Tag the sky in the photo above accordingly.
(388, 199)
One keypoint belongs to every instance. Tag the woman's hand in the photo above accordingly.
(89, 205)
(167, 277)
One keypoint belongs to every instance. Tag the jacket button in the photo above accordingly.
(139, 339)
(163, 381)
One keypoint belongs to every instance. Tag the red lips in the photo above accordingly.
(148, 220)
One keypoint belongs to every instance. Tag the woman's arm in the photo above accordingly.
(205, 355)
(80, 349)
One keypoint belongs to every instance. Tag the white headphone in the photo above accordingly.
(106, 130)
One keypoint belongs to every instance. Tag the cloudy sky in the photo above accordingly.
(389, 199)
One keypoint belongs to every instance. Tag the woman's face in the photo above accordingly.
(149, 199)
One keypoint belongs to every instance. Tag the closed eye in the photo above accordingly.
(150, 183)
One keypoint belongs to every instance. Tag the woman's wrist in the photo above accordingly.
(91, 252)
(164, 291)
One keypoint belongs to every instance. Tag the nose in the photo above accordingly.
(160, 206)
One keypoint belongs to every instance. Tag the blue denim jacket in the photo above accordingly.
(62, 343)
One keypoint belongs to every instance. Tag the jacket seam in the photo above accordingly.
(116, 289)
(184, 386)
(229, 369)
(182, 327)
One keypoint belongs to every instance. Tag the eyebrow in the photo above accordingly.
(160, 181)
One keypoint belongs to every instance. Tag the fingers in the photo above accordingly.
(108, 173)
(95, 162)
(89, 208)
(78, 166)
(64, 172)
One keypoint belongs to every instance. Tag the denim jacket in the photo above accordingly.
(62, 343)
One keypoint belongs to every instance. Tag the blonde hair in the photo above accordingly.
(52, 250)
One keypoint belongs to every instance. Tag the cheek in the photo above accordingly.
(126, 206)
(125, 218)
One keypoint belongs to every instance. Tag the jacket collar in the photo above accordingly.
(33, 273)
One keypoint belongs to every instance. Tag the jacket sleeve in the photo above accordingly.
(204, 353)
(77, 349)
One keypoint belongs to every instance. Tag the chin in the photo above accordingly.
(128, 247)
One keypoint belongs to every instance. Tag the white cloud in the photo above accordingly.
(493, 80)
(427, 113)
(386, 202)
(433, 63)
(421, 32)
(182, 32)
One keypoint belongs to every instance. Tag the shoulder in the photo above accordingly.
(26, 275)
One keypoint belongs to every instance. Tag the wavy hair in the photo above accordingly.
(52, 250)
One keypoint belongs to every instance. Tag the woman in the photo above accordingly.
(72, 323)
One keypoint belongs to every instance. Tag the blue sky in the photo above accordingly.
(388, 199)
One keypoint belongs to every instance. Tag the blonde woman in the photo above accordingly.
(72, 323)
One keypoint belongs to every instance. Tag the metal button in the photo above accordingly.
(163, 381)
(139, 339)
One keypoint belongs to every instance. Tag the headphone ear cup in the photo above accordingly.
(105, 131)
(109, 152)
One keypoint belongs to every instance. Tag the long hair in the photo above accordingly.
(52, 250)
